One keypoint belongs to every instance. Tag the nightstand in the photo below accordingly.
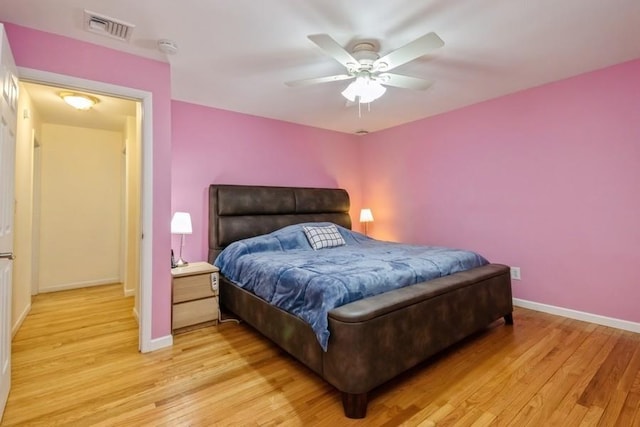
(194, 296)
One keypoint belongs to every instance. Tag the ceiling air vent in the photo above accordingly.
(106, 26)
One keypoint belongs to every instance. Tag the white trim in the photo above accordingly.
(146, 247)
(76, 285)
(20, 320)
(162, 342)
(145, 342)
(579, 315)
(129, 292)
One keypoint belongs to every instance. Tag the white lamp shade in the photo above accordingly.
(366, 215)
(181, 223)
(365, 89)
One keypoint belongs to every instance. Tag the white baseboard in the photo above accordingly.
(20, 320)
(76, 285)
(158, 343)
(579, 315)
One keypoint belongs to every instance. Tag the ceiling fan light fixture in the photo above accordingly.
(365, 89)
(79, 101)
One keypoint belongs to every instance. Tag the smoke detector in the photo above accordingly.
(167, 46)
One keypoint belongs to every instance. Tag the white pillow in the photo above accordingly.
(323, 237)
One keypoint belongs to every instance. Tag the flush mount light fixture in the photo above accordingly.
(79, 101)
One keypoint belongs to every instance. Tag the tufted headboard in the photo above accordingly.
(242, 211)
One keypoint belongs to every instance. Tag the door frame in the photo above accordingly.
(145, 342)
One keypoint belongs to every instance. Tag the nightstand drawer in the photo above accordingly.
(189, 288)
(194, 312)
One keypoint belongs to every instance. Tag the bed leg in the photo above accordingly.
(355, 405)
(508, 319)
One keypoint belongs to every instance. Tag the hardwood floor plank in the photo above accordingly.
(629, 410)
(591, 416)
(603, 341)
(575, 416)
(529, 384)
(614, 406)
(552, 393)
(630, 380)
(422, 417)
(497, 394)
(491, 376)
(75, 362)
(604, 382)
(484, 420)
(442, 412)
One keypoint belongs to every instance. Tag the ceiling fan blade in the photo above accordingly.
(415, 49)
(405, 82)
(333, 49)
(308, 82)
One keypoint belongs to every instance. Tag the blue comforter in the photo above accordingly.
(283, 269)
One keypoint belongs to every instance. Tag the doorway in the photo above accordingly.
(86, 190)
(144, 232)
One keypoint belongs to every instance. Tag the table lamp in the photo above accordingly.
(365, 217)
(181, 224)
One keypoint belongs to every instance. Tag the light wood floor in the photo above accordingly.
(75, 363)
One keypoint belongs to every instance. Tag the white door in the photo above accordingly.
(8, 105)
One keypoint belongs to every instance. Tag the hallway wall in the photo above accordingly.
(80, 228)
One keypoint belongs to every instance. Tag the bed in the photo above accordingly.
(371, 340)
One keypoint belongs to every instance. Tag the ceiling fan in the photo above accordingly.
(370, 71)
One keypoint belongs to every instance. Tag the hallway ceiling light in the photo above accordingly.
(79, 101)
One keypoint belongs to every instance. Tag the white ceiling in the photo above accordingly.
(236, 55)
(109, 113)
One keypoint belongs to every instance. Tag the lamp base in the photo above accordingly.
(181, 263)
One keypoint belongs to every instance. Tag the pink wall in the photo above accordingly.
(48, 52)
(546, 179)
(223, 147)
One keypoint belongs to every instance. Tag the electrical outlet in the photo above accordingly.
(515, 273)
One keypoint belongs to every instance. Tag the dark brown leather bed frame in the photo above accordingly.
(374, 339)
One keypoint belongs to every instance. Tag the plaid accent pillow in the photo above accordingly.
(323, 237)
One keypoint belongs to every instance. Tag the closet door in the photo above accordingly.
(8, 106)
